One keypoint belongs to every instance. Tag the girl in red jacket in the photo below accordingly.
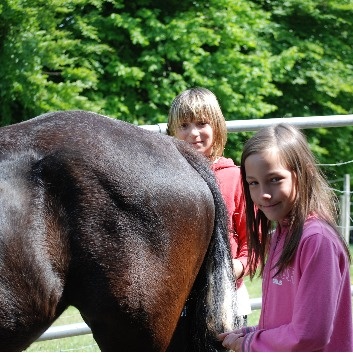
(196, 117)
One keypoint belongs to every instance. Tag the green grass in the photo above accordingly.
(255, 290)
(86, 343)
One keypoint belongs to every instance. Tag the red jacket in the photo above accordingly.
(229, 180)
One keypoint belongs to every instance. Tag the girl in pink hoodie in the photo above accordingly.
(304, 262)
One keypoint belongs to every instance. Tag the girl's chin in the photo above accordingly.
(270, 216)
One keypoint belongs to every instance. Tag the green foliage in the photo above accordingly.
(45, 66)
(314, 71)
(317, 77)
(129, 59)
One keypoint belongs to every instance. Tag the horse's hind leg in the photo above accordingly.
(180, 341)
(123, 334)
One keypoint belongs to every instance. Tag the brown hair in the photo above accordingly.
(314, 194)
(197, 104)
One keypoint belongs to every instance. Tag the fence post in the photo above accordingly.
(342, 216)
(346, 209)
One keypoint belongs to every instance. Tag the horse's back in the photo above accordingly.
(137, 220)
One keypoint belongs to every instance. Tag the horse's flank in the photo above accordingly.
(116, 221)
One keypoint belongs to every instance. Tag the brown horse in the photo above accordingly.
(122, 223)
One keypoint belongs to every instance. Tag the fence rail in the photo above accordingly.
(63, 331)
(78, 329)
(256, 124)
(81, 328)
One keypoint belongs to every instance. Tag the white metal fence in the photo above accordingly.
(63, 331)
(81, 328)
(256, 124)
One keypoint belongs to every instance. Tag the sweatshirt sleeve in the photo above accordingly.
(239, 223)
(321, 265)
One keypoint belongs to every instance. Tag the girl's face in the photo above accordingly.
(198, 133)
(272, 185)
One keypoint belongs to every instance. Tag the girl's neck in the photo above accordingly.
(214, 159)
(285, 222)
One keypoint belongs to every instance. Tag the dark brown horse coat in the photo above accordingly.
(116, 221)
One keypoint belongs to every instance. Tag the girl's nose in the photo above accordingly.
(194, 130)
(265, 194)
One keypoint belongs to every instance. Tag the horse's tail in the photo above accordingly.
(212, 305)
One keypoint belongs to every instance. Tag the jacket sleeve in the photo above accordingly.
(239, 223)
(312, 320)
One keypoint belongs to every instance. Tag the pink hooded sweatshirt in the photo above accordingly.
(308, 307)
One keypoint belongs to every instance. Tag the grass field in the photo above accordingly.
(254, 289)
(86, 343)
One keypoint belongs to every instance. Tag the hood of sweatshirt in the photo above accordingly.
(223, 163)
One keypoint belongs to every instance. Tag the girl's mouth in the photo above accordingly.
(269, 206)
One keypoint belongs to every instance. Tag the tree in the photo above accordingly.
(129, 59)
(44, 67)
(315, 72)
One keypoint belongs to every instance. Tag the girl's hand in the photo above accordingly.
(232, 340)
(238, 268)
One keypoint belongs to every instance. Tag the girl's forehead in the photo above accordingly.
(191, 118)
(266, 162)
(269, 156)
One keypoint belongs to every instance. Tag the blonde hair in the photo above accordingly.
(197, 104)
(314, 195)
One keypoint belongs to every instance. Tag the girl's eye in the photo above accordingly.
(252, 183)
(275, 179)
(202, 123)
(183, 125)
